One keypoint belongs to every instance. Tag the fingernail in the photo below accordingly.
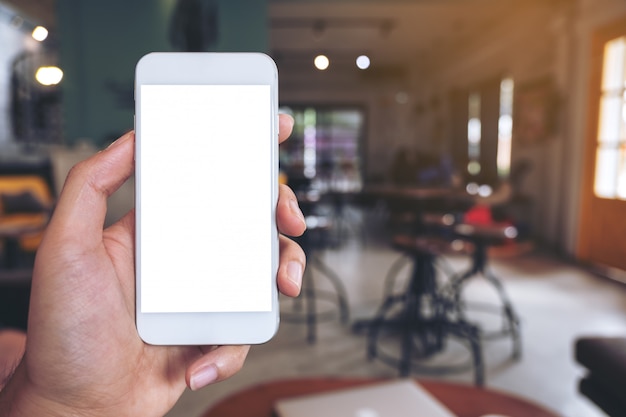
(115, 142)
(295, 209)
(203, 377)
(294, 272)
(118, 140)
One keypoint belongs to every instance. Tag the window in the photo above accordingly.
(610, 172)
(474, 133)
(476, 128)
(505, 127)
(324, 151)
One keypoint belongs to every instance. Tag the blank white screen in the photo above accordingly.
(205, 198)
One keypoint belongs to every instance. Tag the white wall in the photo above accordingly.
(544, 39)
(527, 47)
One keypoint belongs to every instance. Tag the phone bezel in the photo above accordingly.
(215, 328)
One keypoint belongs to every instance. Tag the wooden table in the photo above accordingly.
(463, 400)
(412, 193)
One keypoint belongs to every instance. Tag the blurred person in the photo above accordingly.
(403, 167)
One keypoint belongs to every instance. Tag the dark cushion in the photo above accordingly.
(610, 399)
(605, 358)
(24, 202)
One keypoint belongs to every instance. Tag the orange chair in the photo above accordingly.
(25, 206)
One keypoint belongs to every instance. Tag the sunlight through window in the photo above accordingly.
(505, 127)
(474, 134)
(610, 174)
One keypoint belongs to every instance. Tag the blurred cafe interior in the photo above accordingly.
(461, 165)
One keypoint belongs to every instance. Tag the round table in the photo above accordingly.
(462, 400)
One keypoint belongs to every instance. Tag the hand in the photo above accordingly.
(12, 344)
(83, 355)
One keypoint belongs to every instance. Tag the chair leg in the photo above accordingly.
(395, 268)
(340, 290)
(457, 292)
(375, 324)
(315, 304)
(410, 325)
(509, 311)
(473, 335)
(512, 322)
(311, 321)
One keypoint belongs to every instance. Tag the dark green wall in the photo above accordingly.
(101, 41)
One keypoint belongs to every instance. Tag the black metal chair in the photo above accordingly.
(422, 320)
(317, 304)
(481, 238)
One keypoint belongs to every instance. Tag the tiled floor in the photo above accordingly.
(556, 302)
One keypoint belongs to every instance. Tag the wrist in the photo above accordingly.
(19, 399)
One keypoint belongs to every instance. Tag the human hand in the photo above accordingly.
(83, 354)
(12, 344)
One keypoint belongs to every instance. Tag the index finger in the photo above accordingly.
(82, 202)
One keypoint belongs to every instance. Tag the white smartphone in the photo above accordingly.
(206, 178)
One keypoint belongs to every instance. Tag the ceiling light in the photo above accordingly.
(321, 62)
(40, 33)
(363, 62)
(49, 75)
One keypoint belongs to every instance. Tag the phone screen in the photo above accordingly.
(206, 213)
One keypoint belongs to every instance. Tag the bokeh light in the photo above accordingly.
(363, 62)
(49, 75)
(40, 33)
(321, 62)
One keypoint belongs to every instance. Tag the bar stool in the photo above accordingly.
(317, 304)
(482, 237)
(422, 317)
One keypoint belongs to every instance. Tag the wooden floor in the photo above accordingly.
(556, 301)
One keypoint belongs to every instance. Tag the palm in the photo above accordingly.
(130, 373)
